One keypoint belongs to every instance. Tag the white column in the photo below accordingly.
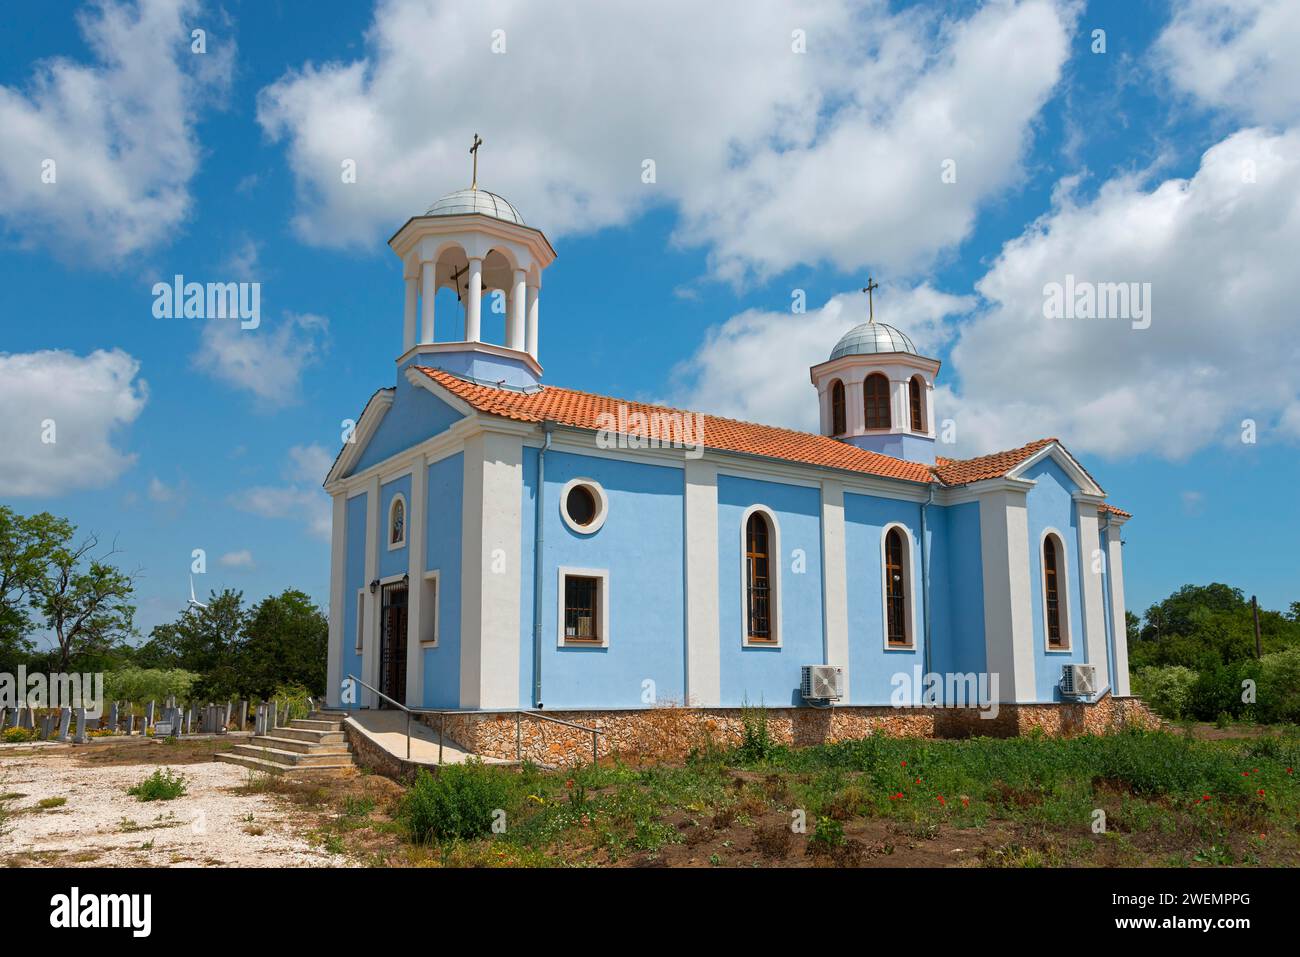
(408, 312)
(835, 583)
(531, 333)
(703, 650)
(474, 302)
(1008, 611)
(515, 325)
(900, 415)
(491, 524)
(370, 639)
(855, 414)
(338, 626)
(1091, 566)
(415, 610)
(428, 275)
(1119, 627)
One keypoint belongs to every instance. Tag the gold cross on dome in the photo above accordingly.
(473, 150)
(870, 287)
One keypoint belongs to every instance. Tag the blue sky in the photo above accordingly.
(776, 171)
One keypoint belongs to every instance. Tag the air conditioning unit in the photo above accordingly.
(822, 683)
(1078, 681)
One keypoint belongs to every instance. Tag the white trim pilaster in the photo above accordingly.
(338, 567)
(1119, 627)
(428, 294)
(370, 644)
(1008, 612)
(474, 301)
(835, 587)
(490, 563)
(1091, 564)
(703, 647)
(531, 332)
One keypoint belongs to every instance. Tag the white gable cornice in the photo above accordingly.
(371, 416)
(1058, 454)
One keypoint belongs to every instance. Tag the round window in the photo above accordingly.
(583, 506)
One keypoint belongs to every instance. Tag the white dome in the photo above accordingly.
(465, 201)
(871, 338)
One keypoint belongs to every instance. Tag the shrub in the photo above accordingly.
(295, 697)
(1279, 686)
(455, 804)
(756, 743)
(1166, 689)
(163, 785)
(17, 735)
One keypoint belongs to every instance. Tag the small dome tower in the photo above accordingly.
(473, 241)
(875, 392)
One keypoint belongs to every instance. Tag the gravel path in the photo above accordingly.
(102, 825)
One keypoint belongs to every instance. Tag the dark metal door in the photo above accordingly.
(392, 655)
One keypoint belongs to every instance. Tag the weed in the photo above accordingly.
(52, 802)
(457, 803)
(163, 785)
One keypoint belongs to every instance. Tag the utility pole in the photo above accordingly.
(1254, 607)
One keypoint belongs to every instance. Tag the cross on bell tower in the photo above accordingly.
(473, 150)
(870, 287)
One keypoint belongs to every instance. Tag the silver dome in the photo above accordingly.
(871, 338)
(476, 201)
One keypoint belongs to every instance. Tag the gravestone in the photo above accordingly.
(28, 719)
(243, 715)
(80, 737)
(4, 717)
(46, 721)
(148, 714)
(225, 716)
(112, 717)
(65, 718)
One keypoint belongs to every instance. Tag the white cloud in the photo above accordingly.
(267, 361)
(1219, 253)
(771, 157)
(89, 400)
(239, 559)
(164, 494)
(1238, 55)
(120, 132)
(301, 498)
(755, 365)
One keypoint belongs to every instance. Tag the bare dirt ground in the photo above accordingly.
(224, 819)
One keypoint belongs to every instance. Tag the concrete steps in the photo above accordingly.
(308, 744)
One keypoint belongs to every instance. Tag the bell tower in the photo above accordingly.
(875, 391)
(473, 241)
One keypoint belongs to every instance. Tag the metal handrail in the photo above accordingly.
(517, 712)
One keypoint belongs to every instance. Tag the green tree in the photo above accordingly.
(286, 642)
(26, 542)
(202, 640)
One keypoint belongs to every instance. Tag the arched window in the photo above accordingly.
(1056, 618)
(838, 419)
(875, 400)
(914, 387)
(397, 522)
(758, 579)
(897, 624)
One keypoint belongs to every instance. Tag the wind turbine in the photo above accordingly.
(194, 602)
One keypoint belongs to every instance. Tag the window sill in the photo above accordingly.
(429, 644)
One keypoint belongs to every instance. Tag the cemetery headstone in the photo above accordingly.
(81, 737)
(65, 718)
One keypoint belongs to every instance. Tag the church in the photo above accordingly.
(494, 550)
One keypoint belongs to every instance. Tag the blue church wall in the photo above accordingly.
(415, 415)
(443, 521)
(641, 544)
(871, 665)
(393, 561)
(479, 365)
(902, 445)
(354, 578)
(957, 571)
(770, 675)
(1050, 504)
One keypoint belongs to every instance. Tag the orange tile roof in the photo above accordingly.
(1107, 507)
(583, 410)
(965, 471)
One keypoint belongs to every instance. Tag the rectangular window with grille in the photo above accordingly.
(581, 608)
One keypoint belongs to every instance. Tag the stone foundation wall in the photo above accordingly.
(672, 732)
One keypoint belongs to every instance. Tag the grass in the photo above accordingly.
(1125, 799)
(163, 785)
(46, 804)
